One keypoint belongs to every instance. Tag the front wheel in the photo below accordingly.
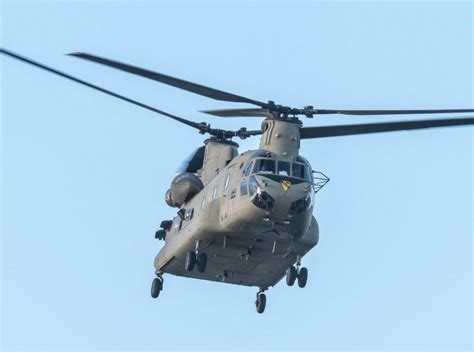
(190, 261)
(201, 262)
(302, 277)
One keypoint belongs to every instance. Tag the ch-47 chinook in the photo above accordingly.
(246, 218)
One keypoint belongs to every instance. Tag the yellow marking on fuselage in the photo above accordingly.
(285, 185)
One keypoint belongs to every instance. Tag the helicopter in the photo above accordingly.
(246, 218)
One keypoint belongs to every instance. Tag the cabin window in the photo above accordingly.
(188, 215)
(243, 187)
(214, 193)
(226, 181)
(203, 202)
(284, 168)
(264, 166)
(176, 223)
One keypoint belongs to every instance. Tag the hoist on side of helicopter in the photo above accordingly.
(246, 218)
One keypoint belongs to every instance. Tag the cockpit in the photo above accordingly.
(264, 164)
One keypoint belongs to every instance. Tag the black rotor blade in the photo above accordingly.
(239, 112)
(194, 162)
(172, 81)
(348, 130)
(390, 112)
(62, 74)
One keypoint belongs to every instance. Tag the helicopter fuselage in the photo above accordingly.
(252, 219)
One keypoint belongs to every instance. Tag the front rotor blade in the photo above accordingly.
(77, 80)
(348, 130)
(239, 112)
(172, 81)
(390, 112)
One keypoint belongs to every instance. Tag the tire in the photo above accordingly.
(156, 287)
(261, 303)
(302, 277)
(190, 261)
(291, 275)
(201, 262)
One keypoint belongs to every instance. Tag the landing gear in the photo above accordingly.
(261, 301)
(190, 261)
(294, 273)
(196, 258)
(201, 262)
(302, 277)
(291, 275)
(156, 286)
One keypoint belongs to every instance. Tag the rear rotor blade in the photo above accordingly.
(348, 130)
(389, 112)
(77, 80)
(172, 81)
(194, 162)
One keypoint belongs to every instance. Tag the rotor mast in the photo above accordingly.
(281, 137)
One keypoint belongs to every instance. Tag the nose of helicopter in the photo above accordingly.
(285, 195)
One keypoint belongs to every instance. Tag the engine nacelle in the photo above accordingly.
(183, 187)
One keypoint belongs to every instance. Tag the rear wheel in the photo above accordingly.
(261, 302)
(291, 275)
(190, 261)
(302, 277)
(201, 262)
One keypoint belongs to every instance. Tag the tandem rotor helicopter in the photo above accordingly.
(246, 218)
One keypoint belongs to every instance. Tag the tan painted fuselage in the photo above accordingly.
(244, 243)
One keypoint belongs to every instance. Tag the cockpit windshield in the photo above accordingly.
(280, 167)
(301, 171)
(284, 168)
(264, 165)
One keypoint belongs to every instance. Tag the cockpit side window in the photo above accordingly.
(298, 170)
(301, 171)
(284, 168)
(264, 166)
(247, 169)
(307, 174)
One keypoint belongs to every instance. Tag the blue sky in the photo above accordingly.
(84, 174)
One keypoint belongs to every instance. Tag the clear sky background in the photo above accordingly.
(84, 174)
